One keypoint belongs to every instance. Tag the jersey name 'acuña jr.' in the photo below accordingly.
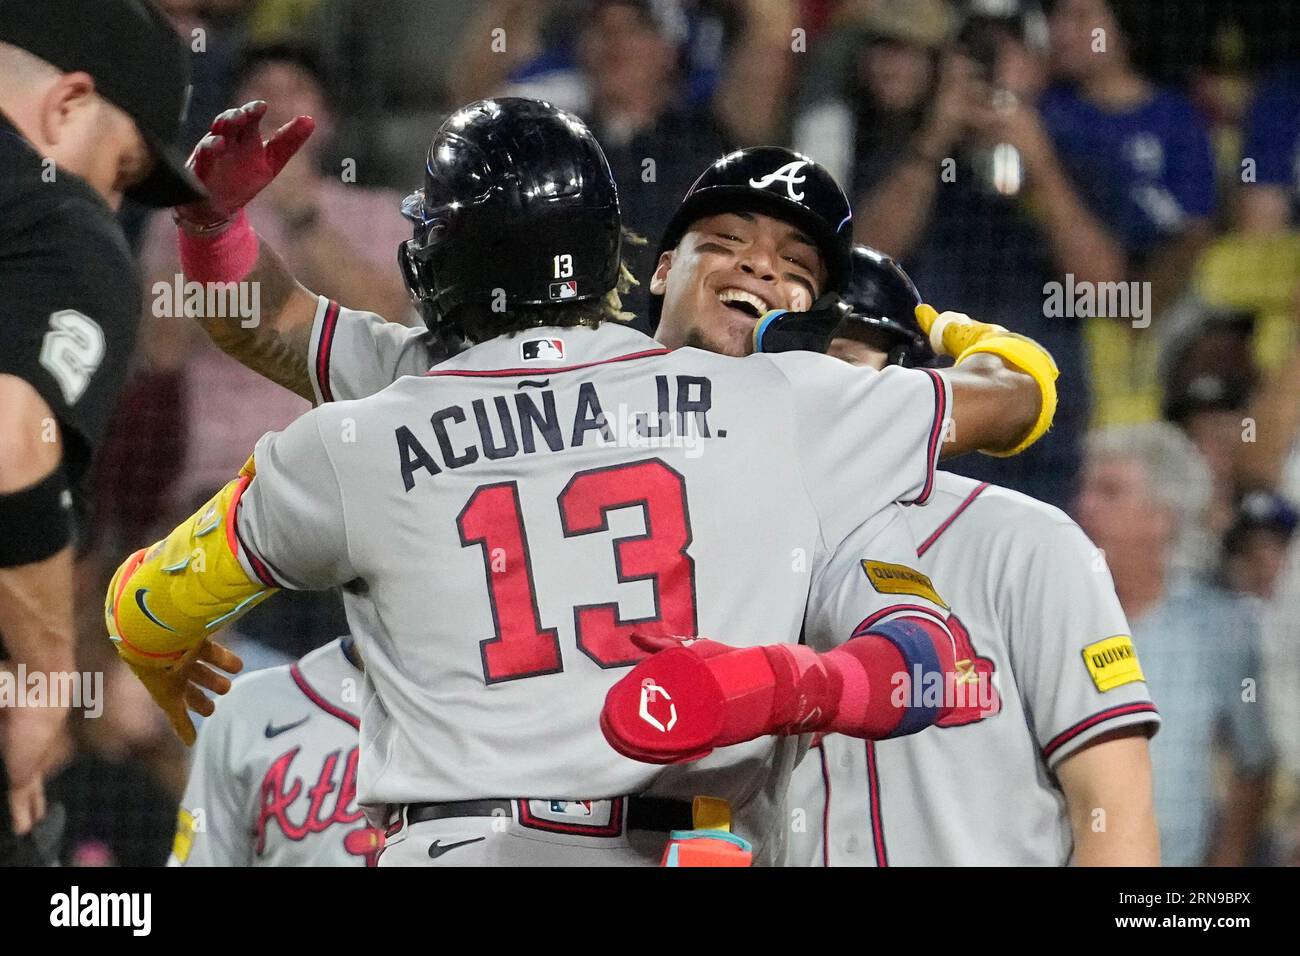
(502, 523)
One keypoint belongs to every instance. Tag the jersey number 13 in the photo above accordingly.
(522, 647)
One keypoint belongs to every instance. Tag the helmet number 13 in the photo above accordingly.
(522, 647)
(563, 266)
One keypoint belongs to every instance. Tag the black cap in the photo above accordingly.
(139, 62)
(777, 182)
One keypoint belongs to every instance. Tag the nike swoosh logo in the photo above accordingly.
(534, 383)
(273, 731)
(437, 848)
(144, 609)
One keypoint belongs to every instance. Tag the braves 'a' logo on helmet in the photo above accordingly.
(788, 174)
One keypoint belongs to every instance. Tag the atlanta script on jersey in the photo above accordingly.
(274, 780)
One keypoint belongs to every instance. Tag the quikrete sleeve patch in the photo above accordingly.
(1113, 662)
(900, 579)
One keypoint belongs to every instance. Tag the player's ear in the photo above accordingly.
(69, 101)
(659, 281)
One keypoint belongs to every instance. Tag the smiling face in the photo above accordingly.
(728, 270)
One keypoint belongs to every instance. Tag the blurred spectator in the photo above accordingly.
(629, 85)
(1208, 378)
(1143, 492)
(215, 33)
(996, 188)
(917, 132)
(1271, 141)
(1272, 458)
(1142, 156)
(1139, 152)
(1255, 546)
(866, 90)
(337, 237)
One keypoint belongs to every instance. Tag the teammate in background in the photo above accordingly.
(91, 95)
(274, 779)
(1046, 761)
(290, 527)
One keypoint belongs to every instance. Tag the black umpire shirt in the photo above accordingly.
(69, 306)
(69, 295)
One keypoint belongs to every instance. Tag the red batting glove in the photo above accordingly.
(235, 164)
(693, 695)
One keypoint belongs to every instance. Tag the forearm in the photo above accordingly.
(755, 88)
(860, 689)
(1239, 827)
(1109, 796)
(994, 406)
(1080, 244)
(276, 343)
(36, 615)
(165, 600)
(892, 216)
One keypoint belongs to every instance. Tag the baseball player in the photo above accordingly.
(448, 724)
(1043, 759)
(274, 775)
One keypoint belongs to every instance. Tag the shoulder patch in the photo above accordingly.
(900, 579)
(1113, 662)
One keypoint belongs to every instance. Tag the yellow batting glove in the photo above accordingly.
(960, 336)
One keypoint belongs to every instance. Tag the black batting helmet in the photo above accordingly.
(776, 182)
(883, 297)
(519, 207)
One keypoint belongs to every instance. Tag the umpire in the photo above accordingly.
(92, 94)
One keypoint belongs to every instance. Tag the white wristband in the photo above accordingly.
(943, 320)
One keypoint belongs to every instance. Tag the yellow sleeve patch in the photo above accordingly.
(1113, 662)
(900, 579)
(184, 841)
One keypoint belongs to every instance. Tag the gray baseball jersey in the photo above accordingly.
(273, 782)
(1050, 666)
(503, 522)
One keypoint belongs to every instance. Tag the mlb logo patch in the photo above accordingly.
(564, 290)
(578, 817)
(542, 350)
(572, 808)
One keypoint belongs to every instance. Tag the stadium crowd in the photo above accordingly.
(1119, 179)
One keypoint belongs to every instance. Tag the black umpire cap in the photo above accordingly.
(139, 63)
